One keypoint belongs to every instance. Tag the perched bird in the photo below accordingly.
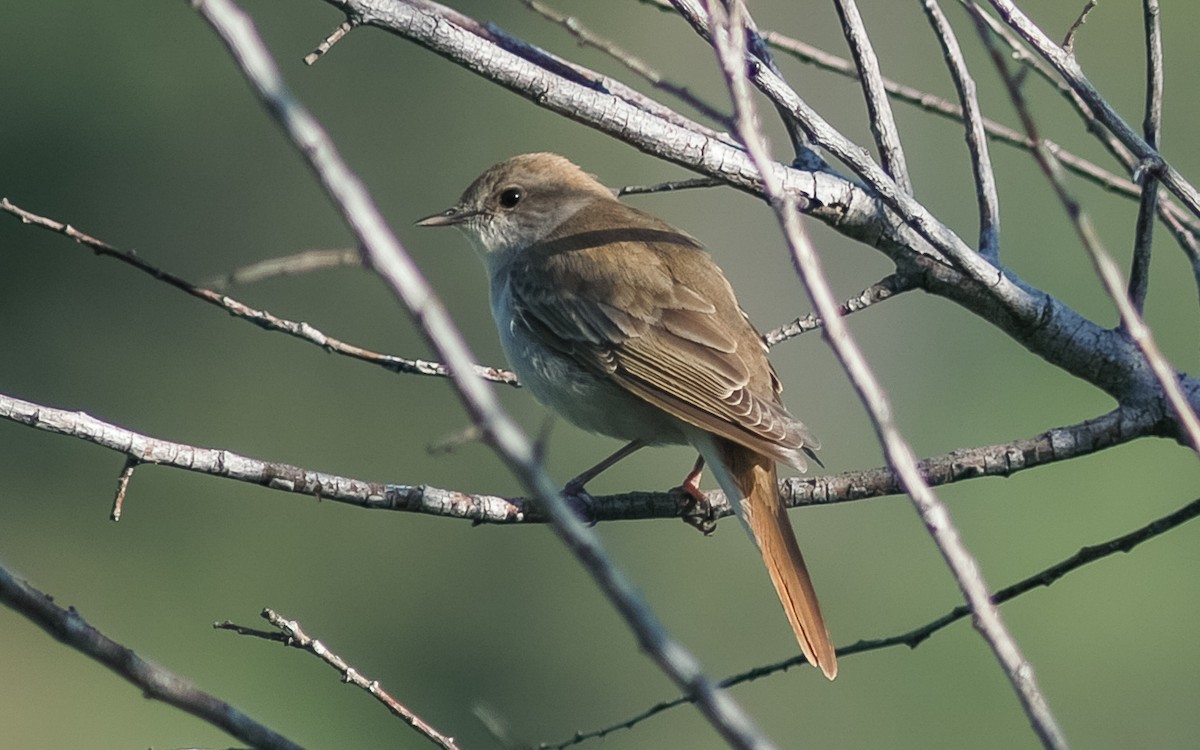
(624, 325)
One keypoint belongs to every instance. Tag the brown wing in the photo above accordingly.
(662, 322)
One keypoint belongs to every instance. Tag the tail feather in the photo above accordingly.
(763, 511)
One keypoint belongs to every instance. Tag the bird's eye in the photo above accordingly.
(511, 197)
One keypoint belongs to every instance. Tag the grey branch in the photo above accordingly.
(260, 318)
(883, 124)
(293, 635)
(1139, 274)
(981, 160)
(305, 261)
(886, 288)
(639, 67)
(68, 626)
(1004, 459)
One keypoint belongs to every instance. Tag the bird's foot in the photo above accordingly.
(580, 501)
(695, 510)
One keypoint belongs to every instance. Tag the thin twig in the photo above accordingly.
(666, 187)
(726, 32)
(981, 161)
(1139, 272)
(886, 288)
(334, 37)
(917, 636)
(67, 626)
(1068, 43)
(589, 38)
(293, 635)
(879, 109)
(260, 318)
(389, 259)
(287, 265)
(123, 487)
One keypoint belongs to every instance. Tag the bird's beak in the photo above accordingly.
(448, 218)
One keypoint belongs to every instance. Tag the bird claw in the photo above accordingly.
(581, 502)
(696, 511)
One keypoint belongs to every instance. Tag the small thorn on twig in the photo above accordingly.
(543, 438)
(1068, 44)
(122, 486)
(330, 40)
(664, 187)
(451, 443)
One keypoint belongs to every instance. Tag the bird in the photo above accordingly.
(625, 326)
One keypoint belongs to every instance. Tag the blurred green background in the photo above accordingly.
(129, 121)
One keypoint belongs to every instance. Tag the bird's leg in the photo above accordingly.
(691, 483)
(696, 511)
(575, 486)
(578, 497)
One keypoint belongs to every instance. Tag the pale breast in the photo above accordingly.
(579, 395)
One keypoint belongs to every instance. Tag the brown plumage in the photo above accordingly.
(625, 326)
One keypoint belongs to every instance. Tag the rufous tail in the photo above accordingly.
(764, 513)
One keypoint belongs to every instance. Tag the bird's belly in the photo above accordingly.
(588, 400)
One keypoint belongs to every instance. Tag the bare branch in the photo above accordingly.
(981, 160)
(666, 187)
(123, 487)
(1068, 43)
(277, 476)
(260, 318)
(68, 627)
(1139, 273)
(883, 124)
(334, 37)
(1004, 459)
(999, 460)
(588, 38)
(886, 288)
(288, 265)
(726, 32)
(917, 636)
(292, 634)
(388, 258)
